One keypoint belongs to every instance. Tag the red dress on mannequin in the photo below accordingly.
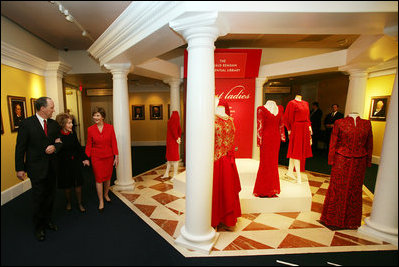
(350, 153)
(296, 120)
(101, 147)
(270, 133)
(172, 134)
(226, 182)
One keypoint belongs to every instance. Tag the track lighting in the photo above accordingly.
(69, 18)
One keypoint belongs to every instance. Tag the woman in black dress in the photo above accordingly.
(70, 158)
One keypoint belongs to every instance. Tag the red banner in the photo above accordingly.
(240, 95)
(230, 65)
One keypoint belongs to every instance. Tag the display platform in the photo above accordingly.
(292, 198)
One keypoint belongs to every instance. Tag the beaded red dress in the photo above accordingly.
(296, 120)
(350, 153)
(270, 132)
(226, 182)
(172, 134)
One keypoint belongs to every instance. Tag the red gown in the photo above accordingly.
(226, 182)
(101, 148)
(172, 134)
(350, 153)
(296, 120)
(270, 133)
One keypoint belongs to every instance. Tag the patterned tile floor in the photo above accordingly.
(161, 207)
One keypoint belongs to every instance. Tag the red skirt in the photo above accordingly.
(299, 146)
(343, 203)
(102, 168)
(226, 187)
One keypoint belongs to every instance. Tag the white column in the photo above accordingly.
(120, 103)
(258, 102)
(200, 32)
(356, 92)
(174, 84)
(383, 221)
(54, 89)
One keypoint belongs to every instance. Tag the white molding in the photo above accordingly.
(375, 159)
(17, 58)
(15, 190)
(138, 20)
(382, 73)
(149, 143)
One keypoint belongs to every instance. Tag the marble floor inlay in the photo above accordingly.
(163, 209)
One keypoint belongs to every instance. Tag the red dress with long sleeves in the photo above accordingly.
(350, 153)
(296, 120)
(172, 134)
(101, 147)
(226, 182)
(270, 132)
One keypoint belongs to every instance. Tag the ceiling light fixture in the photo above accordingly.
(70, 18)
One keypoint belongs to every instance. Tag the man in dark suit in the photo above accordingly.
(315, 119)
(329, 122)
(36, 140)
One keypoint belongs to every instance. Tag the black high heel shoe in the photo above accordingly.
(101, 210)
(108, 201)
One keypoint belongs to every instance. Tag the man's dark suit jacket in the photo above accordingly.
(330, 119)
(33, 141)
(315, 119)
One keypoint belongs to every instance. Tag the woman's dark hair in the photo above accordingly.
(99, 110)
(41, 102)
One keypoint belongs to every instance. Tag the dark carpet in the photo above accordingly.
(118, 237)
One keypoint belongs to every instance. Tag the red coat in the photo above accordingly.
(172, 134)
(350, 153)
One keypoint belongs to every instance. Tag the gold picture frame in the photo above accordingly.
(379, 108)
(156, 112)
(17, 111)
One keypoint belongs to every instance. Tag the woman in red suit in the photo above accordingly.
(102, 148)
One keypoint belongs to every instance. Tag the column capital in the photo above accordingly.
(260, 81)
(172, 81)
(122, 68)
(205, 25)
(354, 71)
(58, 68)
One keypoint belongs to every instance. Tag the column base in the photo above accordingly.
(202, 247)
(124, 186)
(368, 229)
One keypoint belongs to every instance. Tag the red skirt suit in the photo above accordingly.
(101, 147)
(172, 134)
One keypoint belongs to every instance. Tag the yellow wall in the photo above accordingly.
(149, 130)
(15, 82)
(378, 86)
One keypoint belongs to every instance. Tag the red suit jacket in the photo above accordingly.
(101, 145)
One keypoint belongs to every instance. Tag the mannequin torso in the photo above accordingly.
(220, 110)
(353, 115)
(272, 107)
(298, 97)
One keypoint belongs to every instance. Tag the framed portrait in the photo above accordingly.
(168, 111)
(379, 108)
(17, 110)
(138, 112)
(32, 105)
(156, 112)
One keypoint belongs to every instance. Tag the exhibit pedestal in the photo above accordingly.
(292, 198)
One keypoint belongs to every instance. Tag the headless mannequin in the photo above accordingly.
(296, 162)
(169, 163)
(220, 110)
(354, 115)
(271, 106)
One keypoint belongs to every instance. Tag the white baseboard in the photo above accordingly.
(14, 191)
(375, 160)
(148, 143)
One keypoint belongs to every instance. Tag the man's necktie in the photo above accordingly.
(45, 127)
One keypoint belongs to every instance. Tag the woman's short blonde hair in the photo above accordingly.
(62, 119)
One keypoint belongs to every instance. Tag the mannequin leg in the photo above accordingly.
(175, 168)
(167, 170)
(297, 164)
(290, 172)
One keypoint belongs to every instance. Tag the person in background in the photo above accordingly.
(35, 153)
(70, 159)
(315, 119)
(329, 122)
(102, 148)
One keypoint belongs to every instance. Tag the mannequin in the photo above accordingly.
(294, 115)
(172, 144)
(271, 106)
(220, 110)
(354, 115)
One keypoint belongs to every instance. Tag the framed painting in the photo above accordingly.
(156, 112)
(138, 112)
(379, 108)
(32, 105)
(17, 111)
